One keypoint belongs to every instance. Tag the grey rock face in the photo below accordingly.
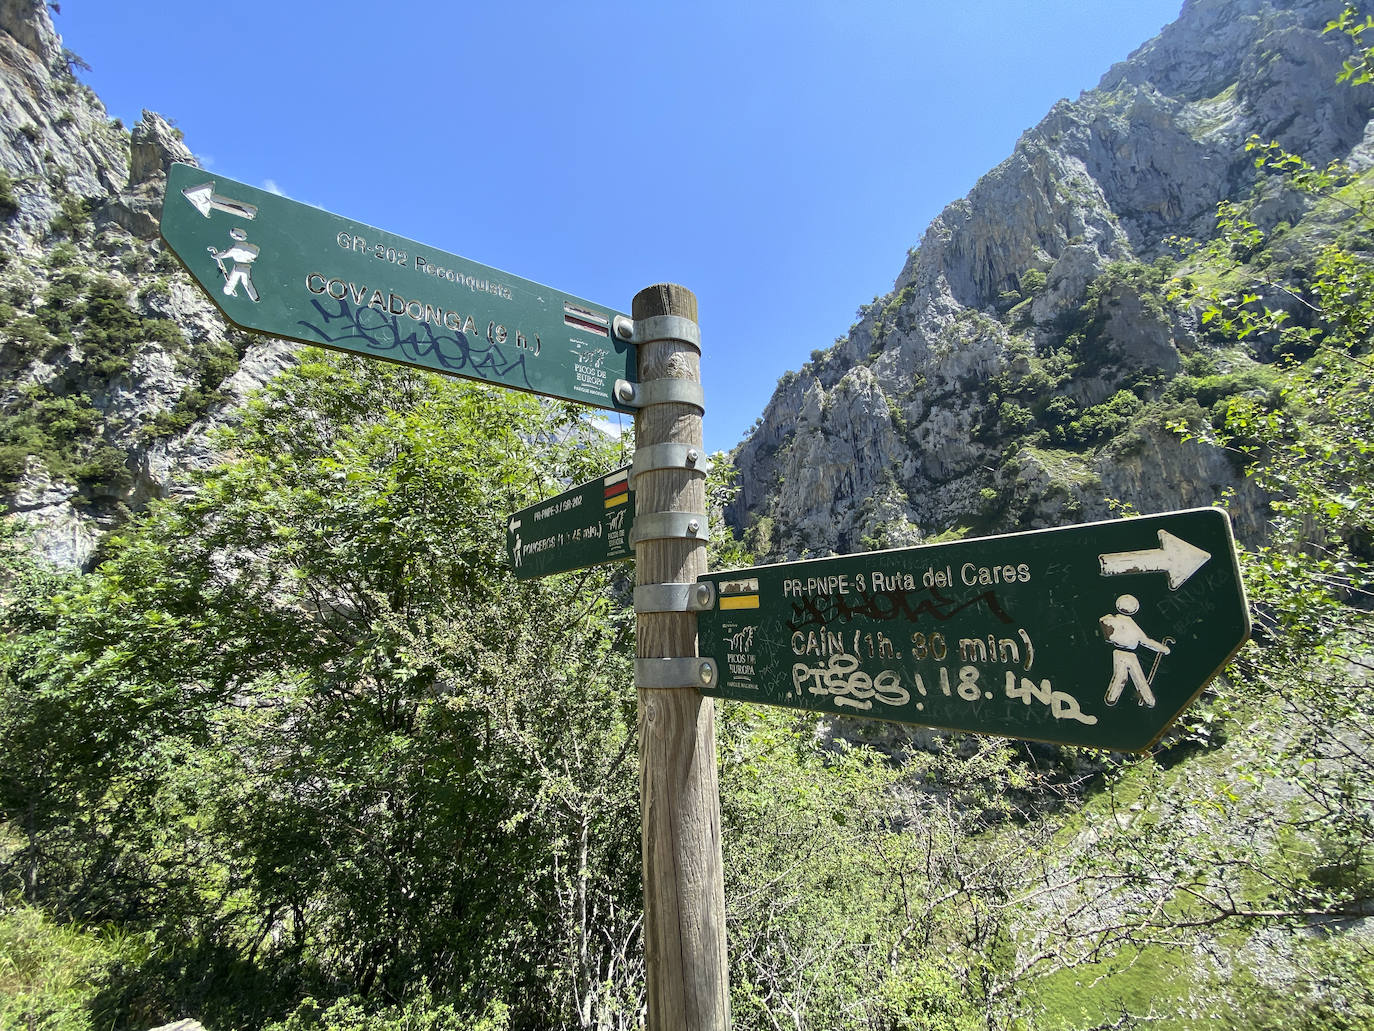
(87, 200)
(154, 146)
(906, 409)
(27, 22)
(53, 129)
(65, 536)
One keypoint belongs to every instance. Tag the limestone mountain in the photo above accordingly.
(113, 366)
(1022, 371)
(1027, 363)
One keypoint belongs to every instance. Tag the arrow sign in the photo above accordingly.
(274, 265)
(1174, 556)
(205, 200)
(1068, 635)
(582, 527)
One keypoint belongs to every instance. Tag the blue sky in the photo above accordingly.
(778, 159)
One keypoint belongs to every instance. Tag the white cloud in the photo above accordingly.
(614, 430)
(270, 185)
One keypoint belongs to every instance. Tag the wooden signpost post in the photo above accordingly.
(1040, 635)
(684, 886)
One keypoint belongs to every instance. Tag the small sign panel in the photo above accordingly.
(1097, 635)
(275, 265)
(585, 526)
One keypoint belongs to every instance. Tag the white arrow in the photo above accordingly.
(1174, 556)
(204, 199)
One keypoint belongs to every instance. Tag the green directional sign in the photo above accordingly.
(585, 526)
(278, 266)
(1096, 635)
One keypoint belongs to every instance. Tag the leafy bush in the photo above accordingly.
(29, 338)
(73, 218)
(1100, 421)
(1014, 418)
(105, 466)
(408, 813)
(9, 204)
(419, 1014)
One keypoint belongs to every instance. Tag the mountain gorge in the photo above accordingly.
(1025, 367)
(292, 751)
(1022, 371)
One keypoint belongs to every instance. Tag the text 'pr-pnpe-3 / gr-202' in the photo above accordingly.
(584, 526)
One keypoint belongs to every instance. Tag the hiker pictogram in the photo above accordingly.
(242, 254)
(1125, 636)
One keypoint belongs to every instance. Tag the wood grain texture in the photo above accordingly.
(684, 892)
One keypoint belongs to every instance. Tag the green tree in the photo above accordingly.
(304, 721)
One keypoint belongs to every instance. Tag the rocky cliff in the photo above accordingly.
(112, 365)
(1025, 366)
(1022, 371)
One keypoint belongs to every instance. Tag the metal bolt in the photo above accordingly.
(694, 526)
(708, 673)
(705, 595)
(692, 455)
(624, 328)
(624, 391)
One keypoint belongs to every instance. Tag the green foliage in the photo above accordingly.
(310, 728)
(9, 204)
(107, 466)
(1024, 394)
(55, 428)
(210, 366)
(1335, 992)
(29, 338)
(1140, 981)
(1033, 281)
(827, 900)
(49, 972)
(420, 1014)
(1085, 326)
(1210, 388)
(726, 549)
(93, 319)
(73, 219)
(1360, 69)
(1014, 418)
(1091, 425)
(760, 536)
(61, 256)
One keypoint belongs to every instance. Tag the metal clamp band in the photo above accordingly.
(668, 456)
(658, 674)
(698, 597)
(667, 327)
(658, 327)
(661, 526)
(660, 391)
